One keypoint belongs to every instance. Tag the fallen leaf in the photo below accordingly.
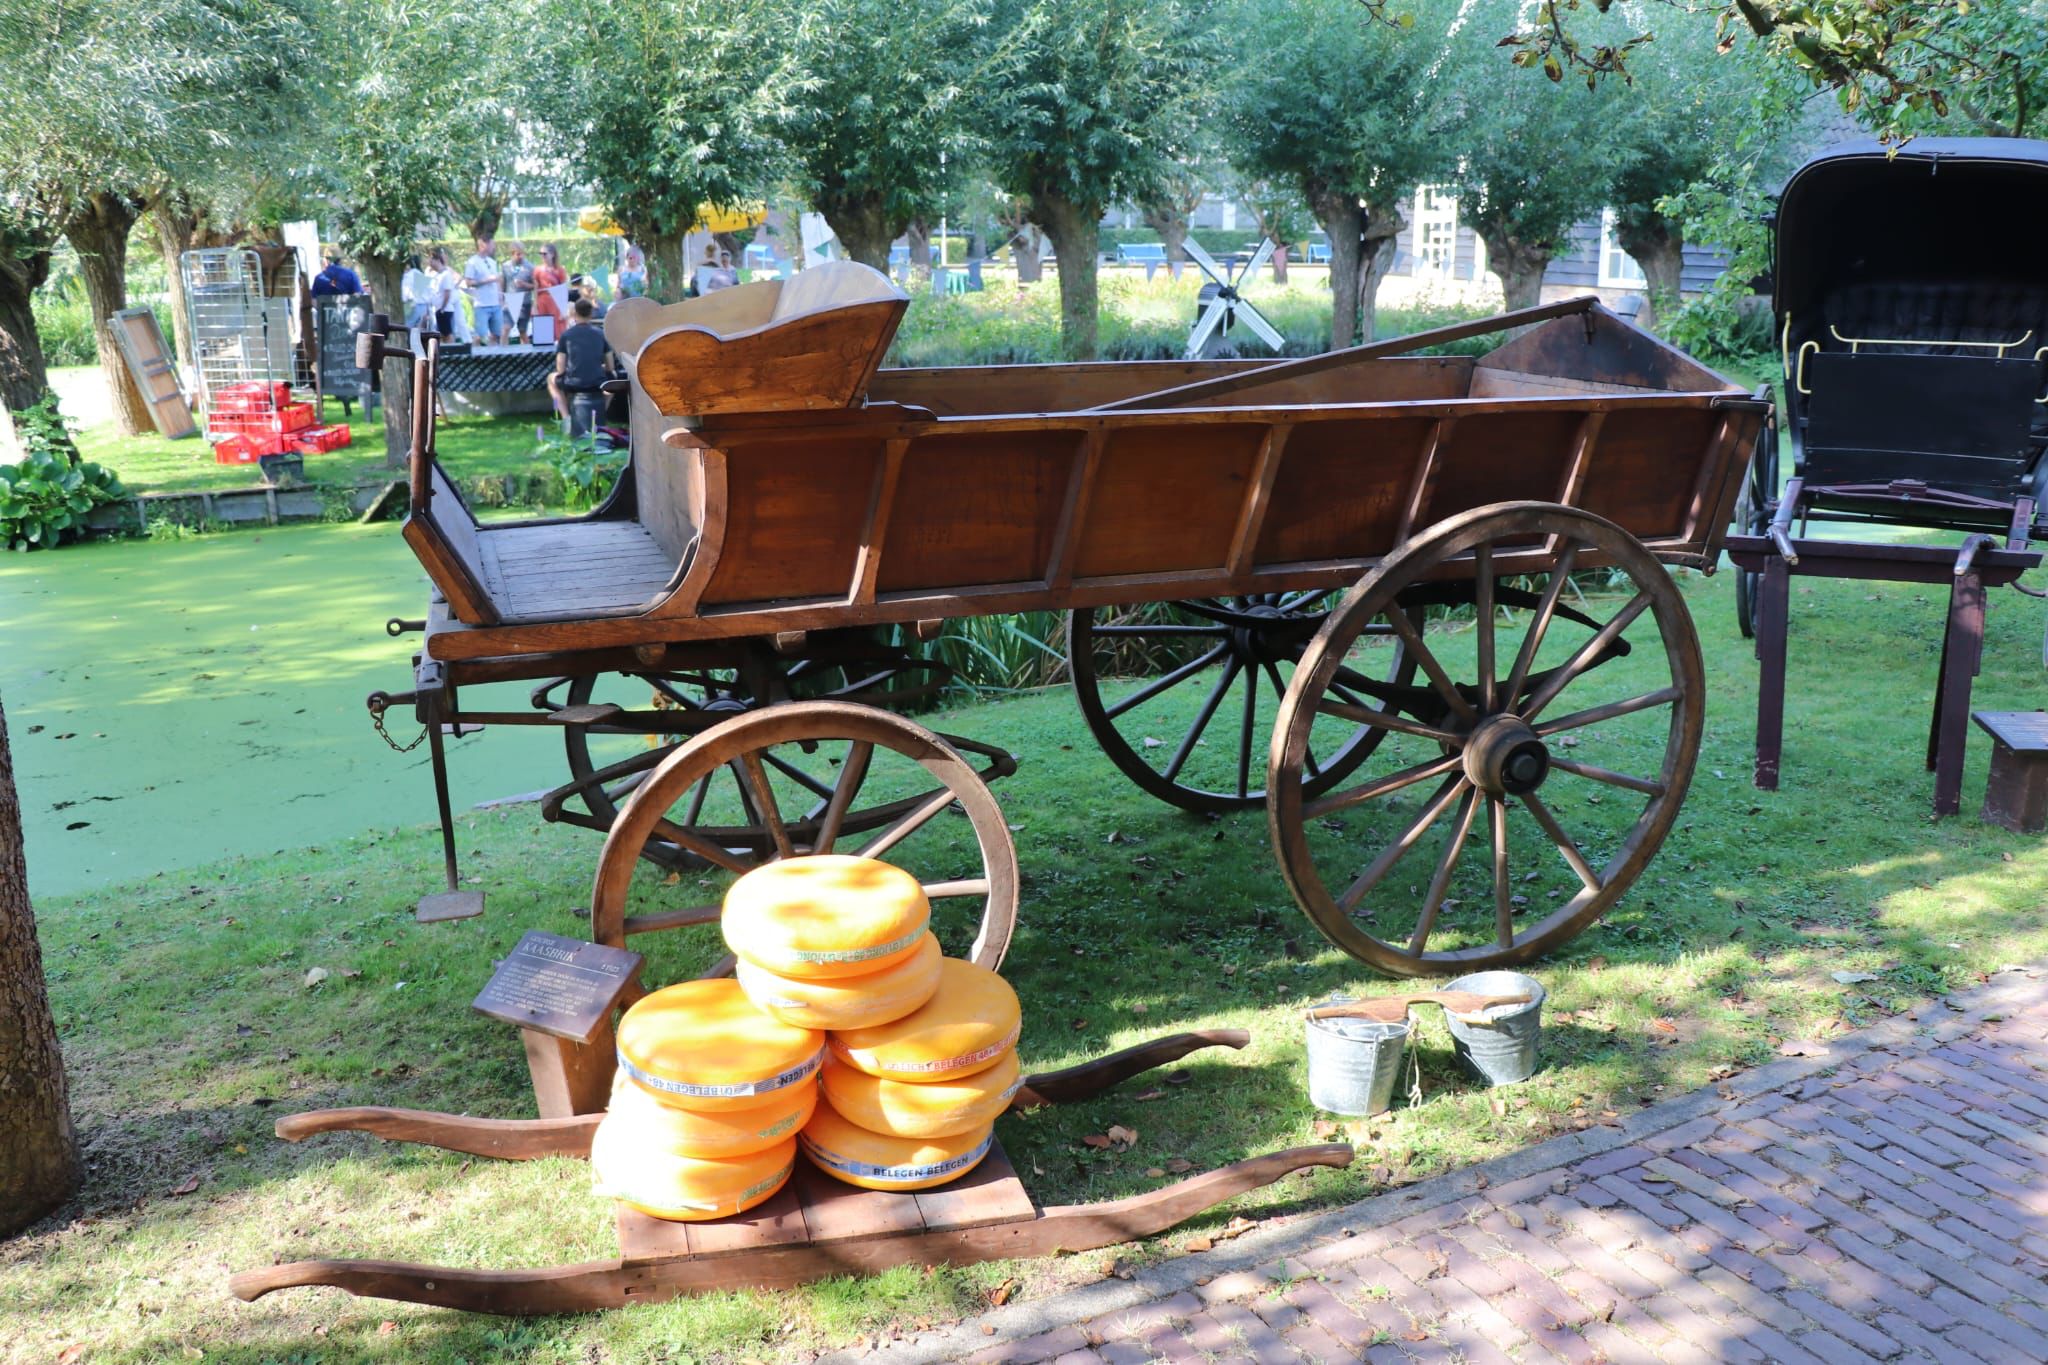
(1663, 1026)
(1127, 1136)
(186, 1186)
(1199, 1244)
(1796, 1047)
(1002, 1293)
(1155, 1172)
(70, 1353)
(347, 973)
(1853, 978)
(1149, 1095)
(1180, 1165)
(314, 976)
(1479, 1180)
(1413, 1335)
(1515, 1220)
(1095, 1140)
(1237, 1227)
(1328, 1129)
(386, 1327)
(1498, 1105)
(988, 1329)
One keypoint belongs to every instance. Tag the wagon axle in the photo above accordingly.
(1503, 757)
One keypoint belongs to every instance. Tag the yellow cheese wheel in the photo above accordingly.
(970, 1022)
(685, 1189)
(925, 1109)
(876, 1161)
(703, 1045)
(827, 916)
(724, 1133)
(846, 1001)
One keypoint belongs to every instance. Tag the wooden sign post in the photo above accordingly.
(560, 993)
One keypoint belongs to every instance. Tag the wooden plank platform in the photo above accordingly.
(816, 1209)
(572, 569)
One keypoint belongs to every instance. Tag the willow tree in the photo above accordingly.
(1341, 104)
(1088, 103)
(662, 108)
(38, 1150)
(874, 123)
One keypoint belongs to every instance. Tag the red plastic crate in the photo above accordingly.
(296, 417)
(251, 397)
(315, 440)
(235, 450)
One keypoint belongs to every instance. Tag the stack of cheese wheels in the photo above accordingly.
(708, 1099)
(832, 941)
(912, 1103)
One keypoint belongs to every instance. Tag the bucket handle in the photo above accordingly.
(1392, 1009)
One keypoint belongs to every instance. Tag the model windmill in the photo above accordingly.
(1222, 306)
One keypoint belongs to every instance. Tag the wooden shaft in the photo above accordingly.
(1091, 1078)
(506, 1139)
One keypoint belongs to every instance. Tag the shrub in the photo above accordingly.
(587, 474)
(45, 498)
(64, 323)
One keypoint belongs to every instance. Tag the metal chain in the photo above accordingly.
(377, 719)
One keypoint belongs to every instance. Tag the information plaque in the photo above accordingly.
(565, 987)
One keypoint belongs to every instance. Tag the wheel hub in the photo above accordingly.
(1503, 757)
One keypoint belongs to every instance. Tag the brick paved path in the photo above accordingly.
(1888, 1201)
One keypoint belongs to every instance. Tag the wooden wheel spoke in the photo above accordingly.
(697, 798)
(799, 776)
(673, 919)
(1612, 779)
(691, 842)
(764, 802)
(1385, 720)
(851, 774)
(1411, 639)
(966, 886)
(1446, 864)
(1308, 755)
(908, 825)
(1244, 734)
(1166, 681)
(1593, 715)
(1586, 656)
(1564, 842)
(1482, 559)
(1194, 734)
(1391, 854)
(1539, 623)
(1392, 782)
(1503, 892)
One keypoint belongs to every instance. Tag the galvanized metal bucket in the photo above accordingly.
(1354, 1063)
(1499, 1043)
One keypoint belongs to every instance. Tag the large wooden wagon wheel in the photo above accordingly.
(1528, 714)
(1753, 510)
(1235, 654)
(610, 755)
(872, 758)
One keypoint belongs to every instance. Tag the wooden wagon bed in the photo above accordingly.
(979, 490)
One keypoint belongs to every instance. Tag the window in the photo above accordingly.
(1436, 232)
(1618, 269)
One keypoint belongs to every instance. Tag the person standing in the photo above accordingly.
(548, 276)
(518, 291)
(417, 290)
(633, 278)
(485, 284)
(336, 278)
(447, 293)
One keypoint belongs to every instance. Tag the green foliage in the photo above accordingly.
(45, 498)
(873, 117)
(1724, 326)
(64, 322)
(587, 476)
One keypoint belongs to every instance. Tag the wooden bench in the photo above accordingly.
(2017, 794)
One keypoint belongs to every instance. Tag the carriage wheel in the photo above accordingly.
(866, 754)
(669, 707)
(1540, 723)
(1753, 517)
(1212, 648)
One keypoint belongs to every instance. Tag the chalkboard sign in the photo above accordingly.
(562, 986)
(337, 318)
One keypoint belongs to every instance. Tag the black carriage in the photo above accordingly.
(1910, 296)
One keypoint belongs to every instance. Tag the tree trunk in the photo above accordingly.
(1279, 259)
(1520, 267)
(384, 276)
(486, 214)
(1172, 226)
(1376, 258)
(38, 1149)
(176, 227)
(1343, 219)
(668, 274)
(918, 237)
(1659, 248)
(1071, 227)
(1024, 254)
(24, 375)
(99, 233)
(863, 229)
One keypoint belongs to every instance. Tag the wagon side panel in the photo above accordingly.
(1643, 471)
(795, 516)
(1505, 457)
(1344, 489)
(977, 509)
(1168, 498)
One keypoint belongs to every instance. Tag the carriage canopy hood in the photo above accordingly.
(1951, 211)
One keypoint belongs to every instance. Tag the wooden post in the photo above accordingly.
(570, 1077)
(1773, 607)
(1962, 652)
(38, 1149)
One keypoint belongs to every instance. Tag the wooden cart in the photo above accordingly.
(1249, 553)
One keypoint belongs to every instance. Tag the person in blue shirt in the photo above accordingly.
(336, 278)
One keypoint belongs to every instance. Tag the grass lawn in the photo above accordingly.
(189, 1028)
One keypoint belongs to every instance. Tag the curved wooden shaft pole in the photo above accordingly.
(612, 1284)
(506, 1139)
(1086, 1079)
